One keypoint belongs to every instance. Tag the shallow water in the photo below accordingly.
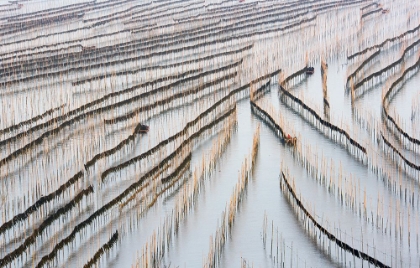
(372, 205)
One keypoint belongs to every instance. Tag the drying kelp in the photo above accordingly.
(379, 74)
(229, 215)
(167, 66)
(385, 42)
(299, 75)
(171, 11)
(84, 107)
(398, 155)
(290, 193)
(47, 222)
(40, 202)
(120, 198)
(267, 118)
(166, 101)
(352, 76)
(390, 121)
(365, 15)
(136, 130)
(325, 126)
(163, 143)
(32, 120)
(106, 247)
(261, 91)
(369, 6)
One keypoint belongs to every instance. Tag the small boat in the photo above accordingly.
(241, 1)
(142, 128)
(290, 140)
(310, 70)
(385, 11)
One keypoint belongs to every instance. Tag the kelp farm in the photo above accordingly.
(209, 133)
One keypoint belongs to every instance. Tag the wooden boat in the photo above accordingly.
(290, 140)
(385, 11)
(310, 70)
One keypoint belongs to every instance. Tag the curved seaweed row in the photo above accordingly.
(324, 123)
(415, 29)
(136, 130)
(19, 27)
(387, 99)
(188, 125)
(130, 9)
(55, 120)
(364, 15)
(169, 99)
(109, 18)
(396, 152)
(368, 6)
(163, 143)
(352, 76)
(45, 259)
(285, 82)
(83, 64)
(30, 121)
(139, 19)
(261, 91)
(390, 66)
(183, 37)
(341, 244)
(142, 42)
(106, 247)
(47, 222)
(259, 112)
(167, 66)
(41, 201)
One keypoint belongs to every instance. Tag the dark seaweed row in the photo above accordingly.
(147, 45)
(109, 18)
(99, 110)
(260, 92)
(150, 42)
(121, 196)
(137, 19)
(372, 12)
(384, 42)
(292, 76)
(390, 66)
(41, 201)
(395, 151)
(322, 121)
(115, 62)
(170, 65)
(135, 185)
(368, 6)
(135, 132)
(20, 26)
(188, 125)
(137, 30)
(171, 98)
(369, 59)
(387, 96)
(266, 117)
(30, 121)
(120, 12)
(47, 222)
(106, 247)
(142, 42)
(330, 236)
(176, 172)
(168, 140)
(41, 12)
